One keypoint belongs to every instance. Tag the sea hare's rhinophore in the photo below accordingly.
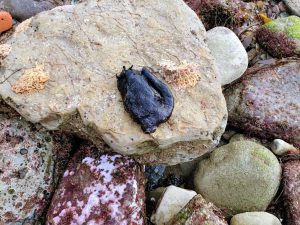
(148, 100)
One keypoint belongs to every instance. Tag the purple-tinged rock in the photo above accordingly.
(291, 181)
(106, 189)
(199, 212)
(266, 102)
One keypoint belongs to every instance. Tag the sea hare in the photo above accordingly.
(148, 100)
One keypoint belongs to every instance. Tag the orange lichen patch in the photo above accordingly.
(32, 80)
(6, 21)
(181, 76)
(4, 50)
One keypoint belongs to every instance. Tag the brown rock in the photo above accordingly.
(291, 181)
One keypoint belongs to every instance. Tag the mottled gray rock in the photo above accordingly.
(199, 212)
(239, 177)
(30, 165)
(172, 201)
(291, 191)
(266, 102)
(99, 189)
(230, 54)
(75, 89)
(254, 218)
(294, 6)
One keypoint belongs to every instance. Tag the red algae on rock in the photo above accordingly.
(291, 181)
(6, 21)
(99, 190)
(265, 102)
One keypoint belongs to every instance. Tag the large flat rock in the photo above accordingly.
(61, 72)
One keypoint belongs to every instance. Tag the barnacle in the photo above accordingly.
(181, 76)
(32, 80)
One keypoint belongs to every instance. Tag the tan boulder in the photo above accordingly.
(62, 64)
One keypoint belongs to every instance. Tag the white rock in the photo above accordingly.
(172, 201)
(229, 53)
(280, 147)
(254, 218)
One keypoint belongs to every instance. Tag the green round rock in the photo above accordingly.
(241, 176)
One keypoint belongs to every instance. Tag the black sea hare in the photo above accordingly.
(148, 100)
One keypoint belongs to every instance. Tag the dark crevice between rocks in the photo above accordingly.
(60, 163)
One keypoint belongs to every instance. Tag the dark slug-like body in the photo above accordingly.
(148, 100)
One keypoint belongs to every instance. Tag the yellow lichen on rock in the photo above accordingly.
(181, 76)
(32, 80)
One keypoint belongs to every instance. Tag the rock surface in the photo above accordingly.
(75, 89)
(199, 212)
(239, 177)
(281, 37)
(242, 137)
(291, 181)
(280, 147)
(294, 6)
(254, 218)
(106, 189)
(171, 202)
(29, 168)
(24, 9)
(266, 102)
(231, 56)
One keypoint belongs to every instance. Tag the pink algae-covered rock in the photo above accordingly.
(99, 190)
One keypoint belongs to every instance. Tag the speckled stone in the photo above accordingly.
(106, 189)
(291, 181)
(266, 102)
(199, 212)
(31, 161)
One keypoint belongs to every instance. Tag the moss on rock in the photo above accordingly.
(281, 37)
